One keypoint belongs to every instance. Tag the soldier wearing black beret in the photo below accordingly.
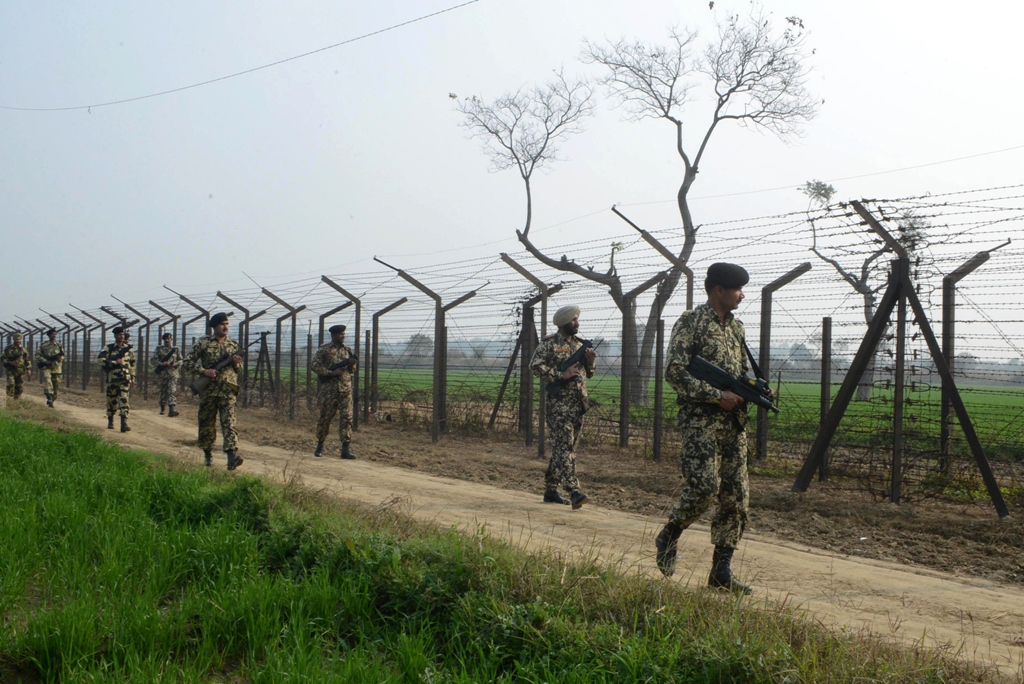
(711, 422)
(334, 364)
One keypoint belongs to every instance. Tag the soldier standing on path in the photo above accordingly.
(334, 364)
(711, 423)
(166, 360)
(118, 361)
(565, 409)
(218, 358)
(50, 359)
(16, 361)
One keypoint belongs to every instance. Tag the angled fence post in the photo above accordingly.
(144, 331)
(243, 339)
(203, 313)
(355, 345)
(84, 365)
(375, 348)
(293, 313)
(628, 363)
(667, 253)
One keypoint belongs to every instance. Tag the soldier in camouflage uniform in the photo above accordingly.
(218, 397)
(711, 424)
(166, 360)
(50, 359)
(18, 366)
(564, 414)
(334, 389)
(118, 362)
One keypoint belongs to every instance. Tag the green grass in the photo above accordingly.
(116, 566)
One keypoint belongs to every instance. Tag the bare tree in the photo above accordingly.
(521, 130)
(758, 78)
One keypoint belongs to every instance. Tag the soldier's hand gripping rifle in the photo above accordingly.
(753, 390)
(161, 368)
(347, 364)
(553, 388)
(200, 383)
(108, 359)
(48, 360)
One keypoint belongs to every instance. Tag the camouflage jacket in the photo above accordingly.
(15, 359)
(205, 354)
(552, 351)
(700, 332)
(165, 354)
(123, 374)
(325, 357)
(50, 350)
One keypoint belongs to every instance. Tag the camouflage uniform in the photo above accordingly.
(17, 364)
(50, 370)
(714, 445)
(119, 379)
(564, 415)
(219, 396)
(167, 376)
(333, 392)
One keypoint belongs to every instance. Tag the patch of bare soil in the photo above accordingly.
(955, 572)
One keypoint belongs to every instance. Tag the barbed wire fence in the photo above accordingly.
(817, 323)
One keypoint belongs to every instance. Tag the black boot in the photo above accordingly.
(124, 424)
(172, 411)
(49, 401)
(162, 407)
(578, 499)
(234, 460)
(207, 457)
(552, 496)
(319, 449)
(721, 573)
(666, 544)
(345, 453)
(110, 422)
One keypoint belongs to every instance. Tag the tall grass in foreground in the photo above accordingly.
(117, 566)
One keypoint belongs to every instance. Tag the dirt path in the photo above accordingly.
(983, 620)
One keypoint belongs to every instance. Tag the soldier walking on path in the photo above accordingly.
(217, 358)
(565, 408)
(711, 424)
(166, 360)
(334, 364)
(118, 361)
(50, 359)
(18, 366)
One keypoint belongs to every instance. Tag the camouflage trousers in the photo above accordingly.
(332, 399)
(51, 384)
(714, 464)
(168, 384)
(565, 422)
(210, 406)
(15, 384)
(117, 399)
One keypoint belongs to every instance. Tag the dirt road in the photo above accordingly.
(982, 620)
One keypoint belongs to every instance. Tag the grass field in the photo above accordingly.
(117, 566)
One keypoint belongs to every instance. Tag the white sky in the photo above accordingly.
(317, 165)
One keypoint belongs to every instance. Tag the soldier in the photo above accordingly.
(16, 362)
(217, 357)
(334, 364)
(50, 358)
(711, 424)
(165, 362)
(118, 361)
(566, 408)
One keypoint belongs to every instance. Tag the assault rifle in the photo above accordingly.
(160, 369)
(200, 383)
(348, 363)
(579, 356)
(48, 360)
(108, 360)
(753, 390)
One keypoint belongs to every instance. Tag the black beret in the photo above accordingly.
(165, 336)
(118, 329)
(219, 318)
(51, 331)
(729, 276)
(336, 329)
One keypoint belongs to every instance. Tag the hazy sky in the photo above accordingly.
(316, 165)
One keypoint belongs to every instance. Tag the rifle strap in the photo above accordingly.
(753, 364)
